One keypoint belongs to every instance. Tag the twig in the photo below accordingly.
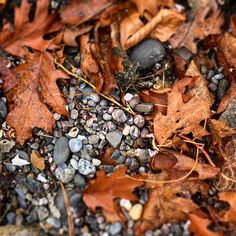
(111, 99)
(70, 219)
(188, 140)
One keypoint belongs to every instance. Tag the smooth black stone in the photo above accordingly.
(147, 54)
(222, 89)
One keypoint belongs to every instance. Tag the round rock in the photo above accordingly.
(119, 116)
(85, 167)
(75, 144)
(61, 150)
(65, 174)
(147, 54)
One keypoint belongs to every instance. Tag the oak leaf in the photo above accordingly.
(77, 12)
(200, 27)
(35, 89)
(167, 203)
(229, 197)
(27, 33)
(105, 189)
(173, 161)
(199, 226)
(183, 118)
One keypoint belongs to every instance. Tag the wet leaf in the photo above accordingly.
(35, 90)
(105, 189)
(27, 33)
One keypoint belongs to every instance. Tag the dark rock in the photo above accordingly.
(222, 89)
(229, 115)
(3, 109)
(212, 87)
(11, 218)
(61, 150)
(210, 74)
(147, 53)
(80, 181)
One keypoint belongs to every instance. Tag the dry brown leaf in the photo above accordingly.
(36, 87)
(228, 98)
(77, 12)
(164, 23)
(170, 160)
(227, 49)
(183, 118)
(229, 197)
(105, 189)
(27, 33)
(37, 161)
(70, 35)
(152, 6)
(165, 205)
(199, 226)
(200, 27)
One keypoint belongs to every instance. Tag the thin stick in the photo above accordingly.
(111, 99)
(188, 140)
(70, 220)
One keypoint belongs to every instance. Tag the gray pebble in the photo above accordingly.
(229, 115)
(54, 222)
(3, 109)
(94, 97)
(111, 126)
(139, 121)
(11, 218)
(144, 108)
(80, 181)
(148, 53)
(43, 213)
(35, 146)
(114, 138)
(212, 87)
(85, 167)
(61, 150)
(115, 228)
(103, 103)
(107, 117)
(75, 144)
(210, 74)
(74, 114)
(93, 139)
(218, 76)
(119, 116)
(135, 100)
(134, 132)
(65, 173)
(222, 89)
(116, 155)
(10, 167)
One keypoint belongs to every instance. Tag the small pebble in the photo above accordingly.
(136, 212)
(144, 108)
(212, 87)
(93, 139)
(114, 138)
(126, 204)
(126, 130)
(139, 121)
(43, 213)
(107, 117)
(210, 74)
(134, 132)
(135, 100)
(74, 114)
(222, 89)
(75, 145)
(119, 116)
(65, 174)
(73, 132)
(80, 181)
(85, 167)
(96, 162)
(115, 228)
(61, 150)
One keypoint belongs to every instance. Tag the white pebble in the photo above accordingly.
(96, 162)
(125, 204)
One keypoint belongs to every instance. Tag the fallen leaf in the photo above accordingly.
(165, 205)
(152, 6)
(183, 118)
(227, 49)
(161, 26)
(170, 160)
(200, 27)
(36, 88)
(78, 12)
(228, 98)
(27, 33)
(105, 189)
(199, 226)
(37, 161)
(8, 76)
(229, 197)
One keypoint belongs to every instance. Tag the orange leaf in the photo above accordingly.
(27, 33)
(105, 189)
(77, 12)
(199, 226)
(183, 118)
(36, 87)
(199, 28)
(229, 197)
(172, 160)
(165, 204)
